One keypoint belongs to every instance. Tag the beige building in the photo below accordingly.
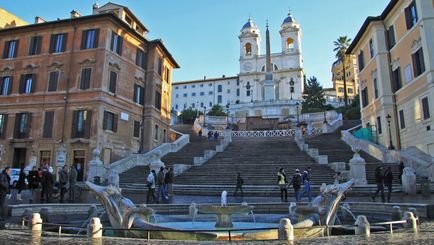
(395, 55)
(351, 79)
(82, 83)
(8, 20)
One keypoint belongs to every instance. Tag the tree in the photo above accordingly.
(189, 115)
(341, 47)
(314, 100)
(216, 110)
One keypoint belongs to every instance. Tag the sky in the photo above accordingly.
(202, 35)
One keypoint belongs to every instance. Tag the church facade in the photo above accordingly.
(268, 85)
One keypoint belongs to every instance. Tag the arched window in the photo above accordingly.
(274, 67)
(248, 48)
(289, 43)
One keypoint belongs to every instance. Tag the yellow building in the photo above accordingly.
(395, 56)
(351, 79)
(8, 20)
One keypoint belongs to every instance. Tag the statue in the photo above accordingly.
(409, 181)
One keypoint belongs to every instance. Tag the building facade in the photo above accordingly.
(77, 84)
(247, 94)
(350, 76)
(395, 56)
(8, 20)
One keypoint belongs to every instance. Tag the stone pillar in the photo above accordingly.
(286, 230)
(362, 226)
(45, 214)
(409, 181)
(94, 229)
(96, 166)
(358, 167)
(396, 213)
(227, 134)
(36, 223)
(411, 221)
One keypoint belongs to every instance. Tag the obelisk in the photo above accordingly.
(269, 87)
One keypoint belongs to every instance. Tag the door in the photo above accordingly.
(19, 157)
(79, 163)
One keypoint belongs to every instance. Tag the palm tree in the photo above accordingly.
(341, 47)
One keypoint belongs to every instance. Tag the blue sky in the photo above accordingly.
(202, 35)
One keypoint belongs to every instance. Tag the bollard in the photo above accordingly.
(396, 213)
(45, 214)
(415, 213)
(94, 229)
(362, 226)
(36, 223)
(411, 221)
(26, 217)
(286, 230)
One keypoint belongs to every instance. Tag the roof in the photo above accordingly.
(368, 21)
(160, 43)
(130, 13)
(205, 80)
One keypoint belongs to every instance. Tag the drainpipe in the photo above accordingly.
(142, 136)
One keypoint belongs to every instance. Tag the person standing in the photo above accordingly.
(21, 183)
(216, 135)
(282, 182)
(168, 180)
(379, 180)
(210, 134)
(401, 171)
(34, 180)
(338, 177)
(239, 185)
(296, 184)
(307, 184)
(388, 179)
(63, 181)
(151, 187)
(160, 185)
(72, 182)
(4, 190)
(47, 185)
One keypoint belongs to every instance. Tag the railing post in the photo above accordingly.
(286, 230)
(94, 229)
(36, 225)
(230, 238)
(362, 226)
(411, 221)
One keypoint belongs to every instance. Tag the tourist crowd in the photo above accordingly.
(160, 185)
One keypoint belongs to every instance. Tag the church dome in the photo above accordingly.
(288, 20)
(249, 25)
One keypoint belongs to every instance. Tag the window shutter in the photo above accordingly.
(135, 93)
(1, 85)
(83, 39)
(39, 44)
(421, 61)
(74, 124)
(17, 43)
(112, 42)
(65, 39)
(52, 43)
(112, 85)
(48, 124)
(5, 125)
(120, 44)
(21, 86)
(88, 75)
(408, 17)
(415, 64)
(144, 60)
(10, 85)
(96, 41)
(33, 86)
(6, 50)
(115, 123)
(17, 125)
(105, 120)
(28, 125)
(88, 124)
(52, 82)
(138, 57)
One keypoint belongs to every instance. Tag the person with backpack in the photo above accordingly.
(283, 185)
(296, 183)
(388, 179)
(379, 180)
(151, 187)
(239, 185)
(307, 182)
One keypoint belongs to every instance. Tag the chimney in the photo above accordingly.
(75, 14)
(39, 20)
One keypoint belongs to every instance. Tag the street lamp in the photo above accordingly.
(391, 147)
(325, 117)
(298, 119)
(204, 115)
(291, 84)
(227, 116)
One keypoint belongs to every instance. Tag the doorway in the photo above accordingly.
(79, 163)
(19, 157)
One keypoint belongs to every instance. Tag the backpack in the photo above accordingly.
(296, 179)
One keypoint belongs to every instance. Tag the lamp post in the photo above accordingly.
(325, 117)
(391, 147)
(298, 119)
(204, 115)
(227, 116)
(291, 84)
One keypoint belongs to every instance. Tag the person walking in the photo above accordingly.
(72, 182)
(47, 185)
(34, 181)
(63, 182)
(401, 171)
(168, 180)
(307, 184)
(150, 197)
(379, 180)
(388, 179)
(4, 190)
(210, 134)
(239, 185)
(296, 184)
(282, 182)
(216, 135)
(160, 185)
(21, 183)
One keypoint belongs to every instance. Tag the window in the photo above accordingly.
(391, 41)
(248, 49)
(219, 99)
(193, 94)
(341, 90)
(289, 43)
(3, 125)
(10, 50)
(164, 136)
(27, 83)
(396, 82)
(156, 132)
(35, 45)
(166, 74)
(238, 82)
(81, 123)
(411, 15)
(201, 104)
(248, 92)
(185, 86)
(185, 95)
(85, 78)
(113, 80)
(176, 87)
(6, 85)
(193, 86)
(160, 66)
(136, 130)
(193, 105)
(89, 39)
(375, 88)
(47, 131)
(177, 95)
(58, 42)
(116, 43)
(379, 129)
(219, 88)
(22, 125)
(210, 93)
(210, 85)
(53, 78)
(202, 93)
(361, 61)
(139, 94)
(407, 73)
(418, 62)
(210, 104)
(158, 100)
(401, 119)
(228, 91)
(350, 90)
(365, 101)
(425, 108)
(201, 85)
(110, 121)
(176, 106)
(371, 48)
(141, 58)
(238, 92)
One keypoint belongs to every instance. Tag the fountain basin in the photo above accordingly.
(224, 214)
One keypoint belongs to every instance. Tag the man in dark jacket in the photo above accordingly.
(306, 182)
(4, 190)
(160, 185)
(239, 185)
(63, 181)
(168, 181)
(296, 183)
(72, 181)
(379, 180)
(388, 179)
(34, 180)
(47, 185)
